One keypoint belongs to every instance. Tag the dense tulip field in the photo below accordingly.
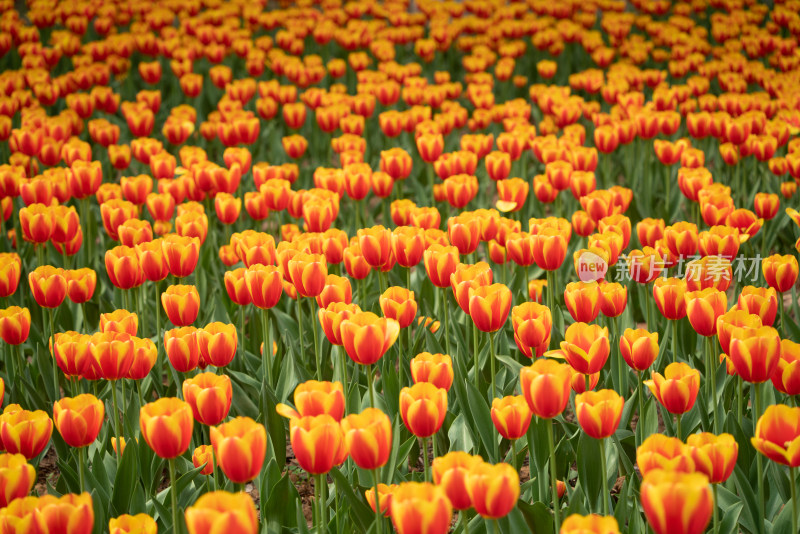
(502, 267)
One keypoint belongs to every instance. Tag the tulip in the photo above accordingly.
(545, 385)
(366, 338)
(121, 321)
(151, 259)
(182, 304)
(639, 348)
(203, 456)
(777, 435)
(217, 343)
(145, 355)
(511, 416)
(786, 376)
(26, 433)
(599, 412)
(69, 513)
(17, 477)
(209, 396)
(590, 524)
(132, 524)
(71, 352)
(532, 324)
(384, 498)
(315, 398)
(182, 348)
(613, 299)
(493, 489)
(755, 353)
(112, 354)
(81, 284)
(307, 272)
(368, 438)
(123, 267)
(48, 286)
(10, 272)
(423, 407)
(15, 325)
(181, 254)
(669, 296)
(703, 308)
(677, 388)
(36, 222)
(440, 263)
(714, 456)
(240, 446)
(166, 426)
(586, 347)
(398, 303)
(761, 301)
(331, 319)
(218, 511)
(436, 369)
(489, 306)
(78, 419)
(676, 502)
(583, 300)
(661, 452)
(467, 277)
(264, 284)
(420, 507)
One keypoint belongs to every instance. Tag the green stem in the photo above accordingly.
(317, 355)
(739, 402)
(116, 415)
(464, 522)
(716, 509)
(514, 455)
(492, 364)
(323, 502)
(476, 356)
(495, 527)
(55, 364)
(378, 521)
(713, 375)
(604, 473)
(425, 459)
(640, 395)
(300, 325)
(553, 479)
(781, 313)
(81, 467)
(241, 341)
(369, 386)
(759, 462)
(267, 356)
(678, 431)
(173, 495)
(447, 323)
(793, 486)
(674, 341)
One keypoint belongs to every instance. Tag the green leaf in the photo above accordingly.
(483, 421)
(537, 516)
(279, 508)
(589, 472)
(361, 511)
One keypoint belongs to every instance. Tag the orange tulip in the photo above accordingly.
(599, 412)
(398, 303)
(111, 354)
(549, 248)
(645, 265)
(384, 498)
(669, 296)
(26, 433)
(408, 245)
(489, 306)
(639, 348)
(307, 273)
(151, 259)
(714, 456)
(703, 308)
(36, 222)
(209, 396)
(777, 435)
(755, 353)
(677, 388)
(423, 407)
(440, 263)
(532, 324)
(315, 398)
(182, 349)
(217, 343)
(16, 478)
(420, 507)
(661, 452)
(436, 369)
(780, 272)
(493, 489)
(222, 511)
(145, 354)
(786, 376)
(70, 513)
(318, 442)
(546, 385)
(182, 304)
(10, 272)
(15, 324)
(48, 285)
(81, 284)
(583, 300)
(240, 446)
(368, 438)
(468, 277)
(590, 524)
(123, 267)
(761, 301)
(337, 289)
(264, 285)
(166, 426)
(78, 419)
(366, 337)
(121, 321)
(511, 416)
(181, 254)
(586, 347)
(676, 502)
